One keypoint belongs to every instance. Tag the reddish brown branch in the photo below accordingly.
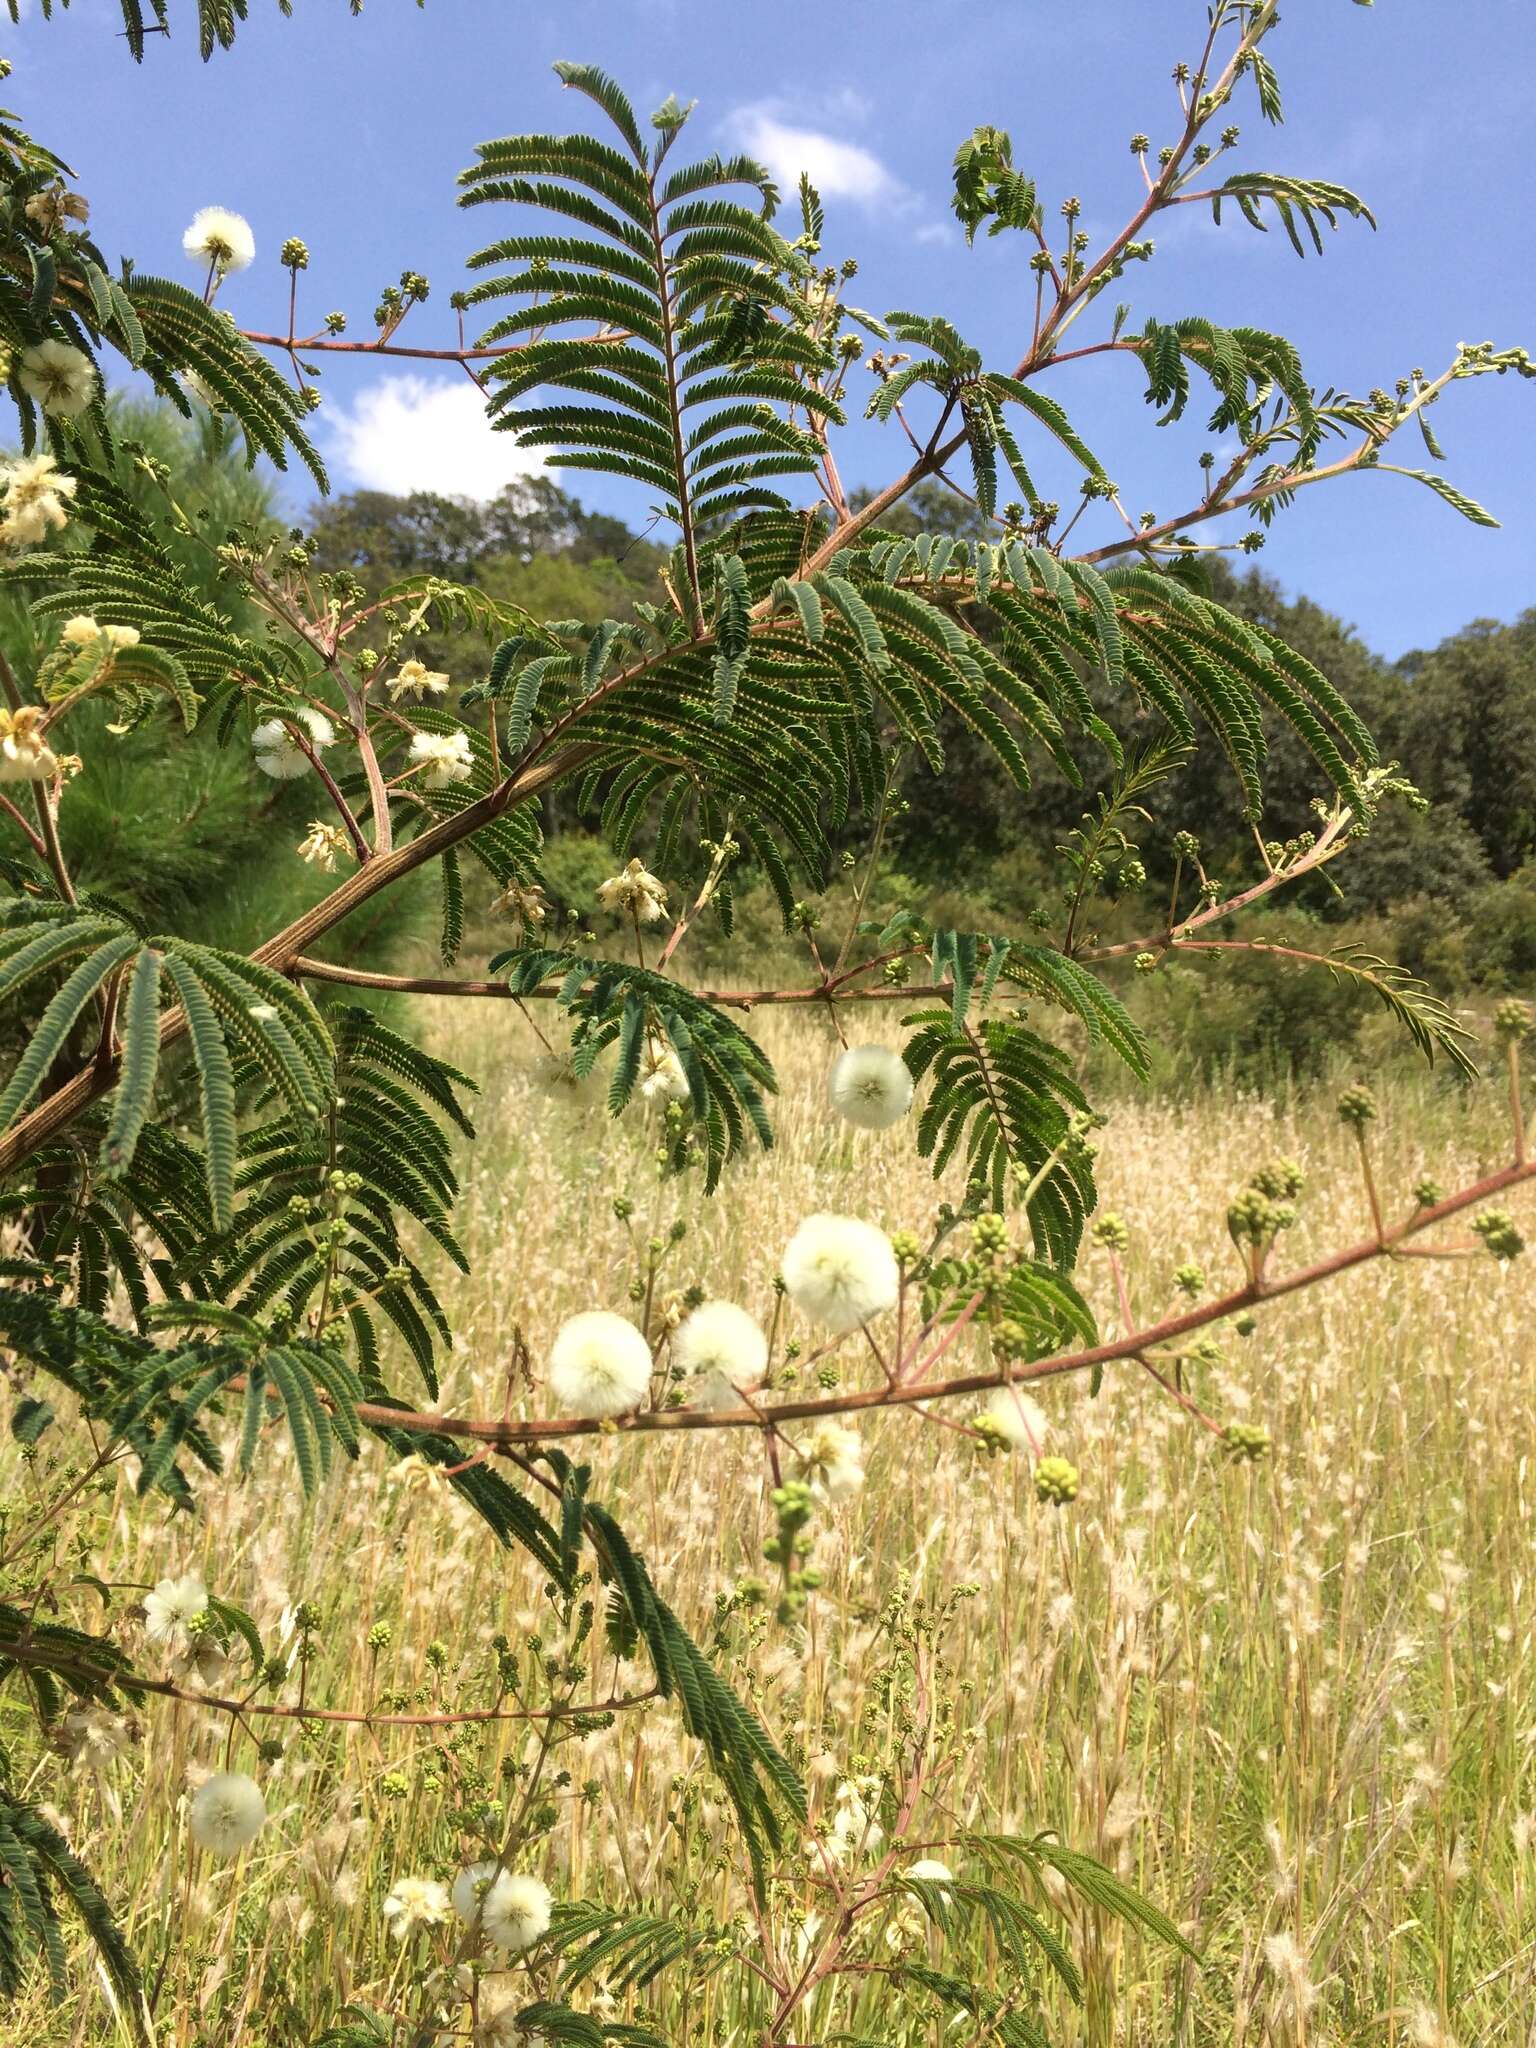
(505, 1437)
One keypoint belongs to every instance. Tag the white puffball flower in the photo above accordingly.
(599, 1365)
(509, 1909)
(61, 378)
(279, 754)
(832, 1462)
(1019, 1421)
(929, 1870)
(228, 1813)
(415, 1902)
(870, 1086)
(219, 236)
(841, 1271)
(172, 1604)
(723, 1351)
(442, 757)
(516, 1911)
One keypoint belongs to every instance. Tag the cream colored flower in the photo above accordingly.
(228, 1813)
(82, 631)
(416, 676)
(510, 1909)
(870, 1086)
(832, 1462)
(635, 893)
(526, 905)
(36, 492)
(1020, 1422)
(279, 754)
(841, 1271)
(442, 757)
(60, 377)
(599, 1364)
(415, 1902)
(49, 209)
(855, 1830)
(220, 237)
(172, 1604)
(662, 1079)
(93, 1737)
(25, 755)
(724, 1353)
(323, 846)
(516, 1911)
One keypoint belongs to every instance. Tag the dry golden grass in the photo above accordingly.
(1295, 1703)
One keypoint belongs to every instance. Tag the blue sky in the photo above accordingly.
(350, 132)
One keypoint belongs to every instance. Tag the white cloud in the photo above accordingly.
(838, 169)
(412, 433)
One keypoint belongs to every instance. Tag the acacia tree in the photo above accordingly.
(225, 1195)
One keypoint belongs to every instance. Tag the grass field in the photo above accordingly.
(1293, 1702)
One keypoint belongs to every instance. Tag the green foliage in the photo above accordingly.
(1011, 1097)
(648, 1016)
(263, 1181)
(42, 1872)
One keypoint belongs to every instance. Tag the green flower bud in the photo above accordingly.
(1056, 1481)
(1512, 1021)
(1110, 1234)
(1496, 1227)
(1357, 1106)
(1245, 1442)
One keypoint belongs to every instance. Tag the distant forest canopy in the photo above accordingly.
(1456, 883)
(1461, 719)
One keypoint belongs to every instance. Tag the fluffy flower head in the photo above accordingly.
(929, 1870)
(599, 1364)
(509, 1908)
(841, 1271)
(82, 630)
(442, 757)
(415, 1902)
(228, 1813)
(172, 1604)
(723, 1351)
(1018, 1420)
(870, 1086)
(279, 754)
(636, 892)
(93, 1737)
(60, 377)
(219, 236)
